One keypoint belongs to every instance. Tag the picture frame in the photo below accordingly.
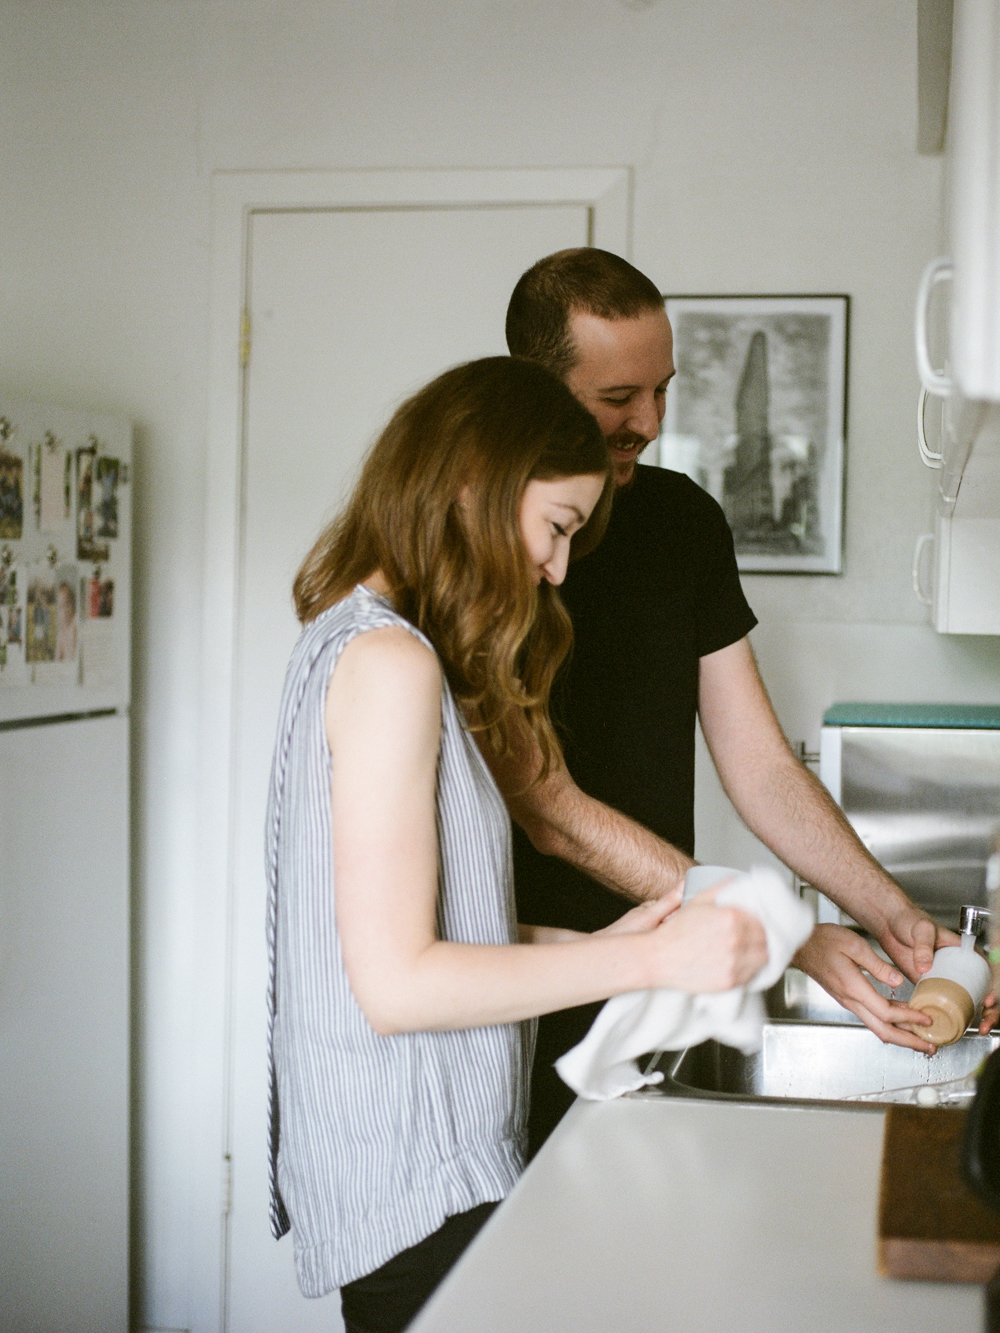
(756, 415)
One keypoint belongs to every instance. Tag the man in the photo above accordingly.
(661, 629)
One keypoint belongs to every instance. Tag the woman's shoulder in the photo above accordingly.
(359, 616)
(392, 647)
(359, 612)
(379, 645)
(384, 681)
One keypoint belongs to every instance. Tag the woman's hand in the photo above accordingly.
(838, 958)
(706, 948)
(647, 916)
(637, 921)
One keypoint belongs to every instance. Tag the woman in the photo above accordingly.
(399, 992)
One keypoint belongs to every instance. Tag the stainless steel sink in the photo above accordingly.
(816, 1062)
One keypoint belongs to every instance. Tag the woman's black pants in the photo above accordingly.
(388, 1299)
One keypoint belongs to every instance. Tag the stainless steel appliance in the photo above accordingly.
(920, 783)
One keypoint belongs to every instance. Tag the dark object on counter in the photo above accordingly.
(981, 1163)
(931, 1225)
(991, 1304)
(981, 1147)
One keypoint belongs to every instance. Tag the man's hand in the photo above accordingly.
(838, 958)
(910, 938)
(991, 1008)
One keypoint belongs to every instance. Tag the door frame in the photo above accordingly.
(236, 197)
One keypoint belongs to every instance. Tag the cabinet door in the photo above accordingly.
(64, 1027)
(974, 202)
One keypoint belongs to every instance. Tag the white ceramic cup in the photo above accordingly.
(935, 381)
(932, 458)
(966, 968)
(951, 993)
(704, 877)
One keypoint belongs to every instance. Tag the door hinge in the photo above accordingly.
(244, 339)
(227, 1185)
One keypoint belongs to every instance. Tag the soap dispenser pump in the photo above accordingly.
(958, 982)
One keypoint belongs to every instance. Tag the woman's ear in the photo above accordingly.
(464, 495)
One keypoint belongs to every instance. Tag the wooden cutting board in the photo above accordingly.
(931, 1225)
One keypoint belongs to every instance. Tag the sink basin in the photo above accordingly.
(816, 1062)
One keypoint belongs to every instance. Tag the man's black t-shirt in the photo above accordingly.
(659, 592)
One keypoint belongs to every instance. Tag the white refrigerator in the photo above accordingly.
(65, 562)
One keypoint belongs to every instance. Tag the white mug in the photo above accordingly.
(966, 967)
(951, 993)
(699, 878)
(916, 573)
(932, 458)
(934, 381)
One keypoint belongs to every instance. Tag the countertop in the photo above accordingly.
(657, 1213)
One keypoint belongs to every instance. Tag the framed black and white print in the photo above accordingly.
(756, 415)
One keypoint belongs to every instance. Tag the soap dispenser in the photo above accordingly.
(952, 992)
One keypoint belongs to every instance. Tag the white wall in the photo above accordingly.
(774, 151)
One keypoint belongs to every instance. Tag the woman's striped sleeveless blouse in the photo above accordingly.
(376, 1140)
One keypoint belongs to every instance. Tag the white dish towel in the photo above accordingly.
(603, 1064)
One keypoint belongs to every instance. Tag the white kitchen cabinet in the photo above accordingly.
(966, 595)
(964, 589)
(974, 198)
(967, 575)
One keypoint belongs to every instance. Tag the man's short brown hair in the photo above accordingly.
(594, 281)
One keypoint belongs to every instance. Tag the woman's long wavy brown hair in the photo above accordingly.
(437, 510)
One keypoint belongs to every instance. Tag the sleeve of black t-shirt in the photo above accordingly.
(724, 615)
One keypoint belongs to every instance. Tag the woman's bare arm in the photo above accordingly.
(383, 724)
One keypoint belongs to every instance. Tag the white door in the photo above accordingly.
(350, 310)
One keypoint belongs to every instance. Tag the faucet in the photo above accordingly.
(972, 920)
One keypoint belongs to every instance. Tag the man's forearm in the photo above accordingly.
(790, 810)
(561, 820)
(779, 800)
(797, 818)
